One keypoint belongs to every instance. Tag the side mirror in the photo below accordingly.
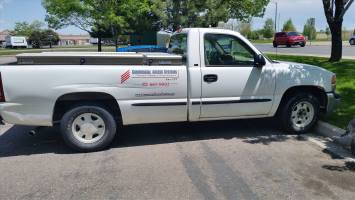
(259, 61)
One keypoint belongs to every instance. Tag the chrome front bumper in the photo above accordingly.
(333, 101)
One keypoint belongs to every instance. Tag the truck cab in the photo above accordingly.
(226, 74)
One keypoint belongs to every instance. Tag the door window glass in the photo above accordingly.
(226, 50)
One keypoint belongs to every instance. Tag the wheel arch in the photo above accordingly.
(317, 91)
(68, 101)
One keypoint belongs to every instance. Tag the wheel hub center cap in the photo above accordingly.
(88, 128)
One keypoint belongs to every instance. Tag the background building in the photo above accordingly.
(74, 40)
(3, 35)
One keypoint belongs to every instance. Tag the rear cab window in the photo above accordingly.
(293, 34)
(281, 34)
(178, 44)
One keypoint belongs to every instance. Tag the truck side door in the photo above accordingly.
(232, 86)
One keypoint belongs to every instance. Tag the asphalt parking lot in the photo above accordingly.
(244, 159)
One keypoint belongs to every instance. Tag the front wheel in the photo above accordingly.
(88, 128)
(300, 113)
(302, 44)
(274, 44)
(352, 42)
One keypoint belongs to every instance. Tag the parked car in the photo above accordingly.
(352, 40)
(209, 74)
(15, 42)
(289, 39)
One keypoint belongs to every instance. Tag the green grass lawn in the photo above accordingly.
(345, 71)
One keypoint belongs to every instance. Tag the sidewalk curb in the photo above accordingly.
(328, 130)
(335, 134)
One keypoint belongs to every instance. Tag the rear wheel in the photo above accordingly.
(88, 128)
(300, 113)
(352, 42)
(302, 44)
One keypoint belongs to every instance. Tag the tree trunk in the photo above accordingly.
(337, 43)
(116, 43)
(99, 44)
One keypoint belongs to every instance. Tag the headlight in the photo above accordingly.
(334, 82)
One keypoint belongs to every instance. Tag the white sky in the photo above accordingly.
(300, 11)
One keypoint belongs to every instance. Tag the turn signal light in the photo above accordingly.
(334, 82)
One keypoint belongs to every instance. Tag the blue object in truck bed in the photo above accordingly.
(143, 48)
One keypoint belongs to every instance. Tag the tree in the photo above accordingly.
(327, 31)
(26, 29)
(244, 28)
(119, 16)
(334, 12)
(35, 39)
(191, 13)
(205, 13)
(288, 26)
(102, 17)
(268, 30)
(309, 30)
(253, 35)
(39, 38)
(49, 37)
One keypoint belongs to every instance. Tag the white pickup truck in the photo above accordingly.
(208, 74)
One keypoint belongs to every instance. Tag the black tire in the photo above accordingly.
(68, 135)
(352, 42)
(302, 44)
(353, 146)
(274, 44)
(289, 107)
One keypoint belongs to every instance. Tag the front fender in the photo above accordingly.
(290, 75)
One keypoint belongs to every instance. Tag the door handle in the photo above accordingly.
(210, 78)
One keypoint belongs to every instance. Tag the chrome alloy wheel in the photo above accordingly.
(88, 128)
(302, 114)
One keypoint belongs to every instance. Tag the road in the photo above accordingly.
(246, 159)
(314, 50)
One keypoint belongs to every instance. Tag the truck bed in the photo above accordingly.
(95, 58)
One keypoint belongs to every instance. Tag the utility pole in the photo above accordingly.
(276, 17)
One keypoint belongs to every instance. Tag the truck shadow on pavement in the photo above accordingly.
(16, 141)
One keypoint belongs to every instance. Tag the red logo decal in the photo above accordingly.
(125, 76)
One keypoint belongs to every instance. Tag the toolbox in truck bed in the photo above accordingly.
(94, 58)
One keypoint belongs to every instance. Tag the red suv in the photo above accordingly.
(289, 39)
